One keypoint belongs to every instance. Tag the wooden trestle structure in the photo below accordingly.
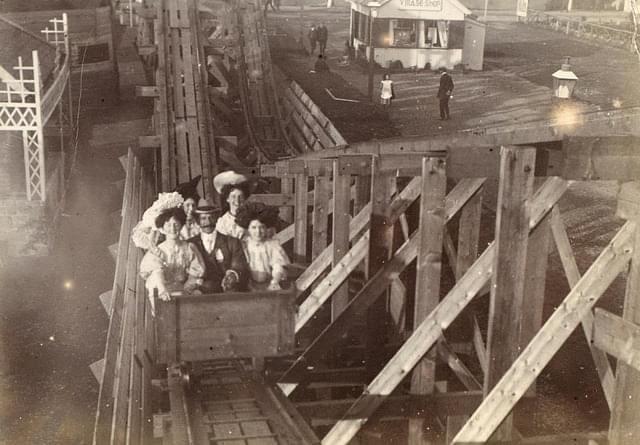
(372, 227)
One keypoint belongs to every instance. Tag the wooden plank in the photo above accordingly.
(507, 284)
(162, 106)
(617, 337)
(623, 428)
(300, 219)
(340, 232)
(628, 207)
(104, 412)
(603, 367)
(534, 286)
(428, 271)
(582, 297)
(427, 334)
(358, 305)
(337, 275)
(321, 191)
(125, 353)
(468, 234)
(380, 251)
(457, 366)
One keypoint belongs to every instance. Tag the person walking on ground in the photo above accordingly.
(313, 38)
(323, 36)
(386, 90)
(444, 93)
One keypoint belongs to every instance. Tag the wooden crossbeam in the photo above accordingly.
(430, 330)
(372, 289)
(603, 367)
(512, 386)
(617, 337)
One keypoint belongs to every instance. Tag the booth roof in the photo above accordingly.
(381, 4)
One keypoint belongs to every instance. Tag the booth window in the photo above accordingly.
(404, 33)
(436, 33)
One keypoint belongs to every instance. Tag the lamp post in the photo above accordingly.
(373, 12)
(564, 81)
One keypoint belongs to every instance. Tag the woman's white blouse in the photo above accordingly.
(227, 226)
(266, 260)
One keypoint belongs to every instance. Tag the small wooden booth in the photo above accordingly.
(418, 33)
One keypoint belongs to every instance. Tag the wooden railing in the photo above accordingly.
(124, 402)
(582, 28)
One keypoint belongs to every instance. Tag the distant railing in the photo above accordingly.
(584, 29)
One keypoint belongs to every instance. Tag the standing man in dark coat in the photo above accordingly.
(226, 266)
(323, 36)
(444, 93)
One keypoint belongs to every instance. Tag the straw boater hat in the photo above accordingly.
(229, 178)
(206, 208)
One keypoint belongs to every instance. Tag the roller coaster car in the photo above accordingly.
(231, 325)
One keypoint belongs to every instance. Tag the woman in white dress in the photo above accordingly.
(266, 258)
(234, 189)
(174, 264)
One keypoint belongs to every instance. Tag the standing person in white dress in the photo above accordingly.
(386, 90)
(234, 189)
(266, 258)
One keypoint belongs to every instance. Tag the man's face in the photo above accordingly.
(208, 222)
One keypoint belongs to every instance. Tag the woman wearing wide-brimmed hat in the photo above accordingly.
(234, 189)
(266, 258)
(174, 264)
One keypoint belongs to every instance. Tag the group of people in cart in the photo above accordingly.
(193, 246)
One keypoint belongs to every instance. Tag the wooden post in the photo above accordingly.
(624, 428)
(508, 281)
(428, 268)
(380, 250)
(468, 239)
(300, 212)
(340, 232)
(286, 187)
(321, 192)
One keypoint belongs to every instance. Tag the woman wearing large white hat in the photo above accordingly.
(234, 189)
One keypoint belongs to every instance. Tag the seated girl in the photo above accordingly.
(266, 257)
(174, 264)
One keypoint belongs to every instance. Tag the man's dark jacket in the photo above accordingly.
(227, 254)
(446, 86)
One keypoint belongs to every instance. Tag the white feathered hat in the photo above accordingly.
(228, 178)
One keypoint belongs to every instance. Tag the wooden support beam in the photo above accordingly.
(624, 428)
(300, 219)
(273, 199)
(340, 232)
(617, 337)
(535, 280)
(603, 367)
(394, 407)
(507, 285)
(380, 250)
(321, 194)
(430, 330)
(106, 299)
(358, 305)
(428, 271)
(582, 297)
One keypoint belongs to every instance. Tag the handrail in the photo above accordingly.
(53, 95)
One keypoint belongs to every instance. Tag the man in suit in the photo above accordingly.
(225, 264)
(444, 93)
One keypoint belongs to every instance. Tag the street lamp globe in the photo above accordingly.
(564, 81)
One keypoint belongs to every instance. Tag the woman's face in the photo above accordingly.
(171, 228)
(188, 206)
(235, 200)
(257, 230)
